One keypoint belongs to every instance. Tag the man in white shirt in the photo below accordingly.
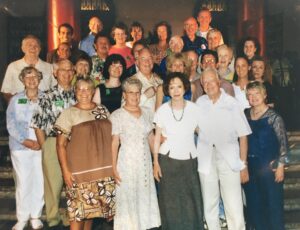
(222, 149)
(150, 80)
(204, 19)
(31, 47)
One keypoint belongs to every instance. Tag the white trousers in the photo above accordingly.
(222, 179)
(29, 182)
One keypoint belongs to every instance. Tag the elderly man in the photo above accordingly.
(87, 44)
(222, 149)
(50, 106)
(190, 39)
(150, 80)
(65, 35)
(31, 47)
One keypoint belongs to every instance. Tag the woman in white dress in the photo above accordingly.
(136, 199)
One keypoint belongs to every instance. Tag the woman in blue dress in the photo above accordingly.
(267, 154)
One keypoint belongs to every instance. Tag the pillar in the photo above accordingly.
(62, 11)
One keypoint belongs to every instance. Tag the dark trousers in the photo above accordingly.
(264, 198)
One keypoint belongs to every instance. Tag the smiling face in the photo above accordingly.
(64, 35)
(258, 69)
(256, 97)
(63, 51)
(132, 96)
(241, 68)
(102, 46)
(177, 66)
(120, 36)
(249, 49)
(95, 25)
(136, 33)
(176, 89)
(208, 60)
(204, 18)
(162, 33)
(190, 27)
(211, 84)
(224, 56)
(84, 92)
(145, 61)
(213, 40)
(31, 81)
(82, 67)
(176, 44)
(64, 73)
(115, 70)
(31, 47)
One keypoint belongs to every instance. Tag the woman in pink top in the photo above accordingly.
(119, 34)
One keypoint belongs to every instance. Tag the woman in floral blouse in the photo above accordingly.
(84, 151)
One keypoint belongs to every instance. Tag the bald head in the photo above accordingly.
(145, 61)
(95, 25)
(190, 26)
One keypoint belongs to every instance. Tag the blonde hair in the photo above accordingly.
(181, 57)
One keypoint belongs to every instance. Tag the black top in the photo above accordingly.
(270, 93)
(110, 97)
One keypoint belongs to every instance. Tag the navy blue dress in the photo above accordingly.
(267, 146)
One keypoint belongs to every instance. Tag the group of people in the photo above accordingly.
(168, 134)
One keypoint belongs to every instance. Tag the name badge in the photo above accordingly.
(22, 101)
(59, 103)
(107, 92)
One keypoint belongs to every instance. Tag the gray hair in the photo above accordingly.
(131, 81)
(29, 70)
(211, 70)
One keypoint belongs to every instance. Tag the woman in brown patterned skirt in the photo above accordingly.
(84, 151)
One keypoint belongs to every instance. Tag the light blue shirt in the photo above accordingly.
(87, 45)
(18, 116)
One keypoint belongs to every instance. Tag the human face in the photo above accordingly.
(162, 33)
(241, 68)
(208, 61)
(115, 70)
(84, 93)
(102, 46)
(120, 36)
(249, 49)
(64, 73)
(211, 84)
(136, 50)
(256, 97)
(193, 57)
(177, 66)
(31, 81)
(213, 40)
(176, 89)
(31, 47)
(136, 33)
(132, 96)
(176, 44)
(95, 25)
(224, 56)
(64, 35)
(145, 62)
(63, 51)
(204, 18)
(190, 26)
(258, 69)
(82, 67)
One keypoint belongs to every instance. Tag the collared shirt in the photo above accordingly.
(87, 45)
(198, 45)
(203, 34)
(50, 105)
(178, 127)
(220, 125)
(18, 117)
(153, 81)
(97, 70)
(12, 84)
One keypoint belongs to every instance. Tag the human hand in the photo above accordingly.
(117, 176)
(31, 144)
(68, 178)
(157, 171)
(244, 175)
(150, 92)
(279, 173)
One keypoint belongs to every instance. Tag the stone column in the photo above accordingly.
(62, 11)
(250, 21)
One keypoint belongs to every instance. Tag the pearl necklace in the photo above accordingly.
(174, 114)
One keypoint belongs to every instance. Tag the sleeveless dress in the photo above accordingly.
(110, 97)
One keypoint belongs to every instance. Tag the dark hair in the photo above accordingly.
(211, 52)
(155, 35)
(258, 58)
(121, 26)
(67, 25)
(111, 59)
(136, 24)
(242, 42)
(235, 76)
(85, 57)
(139, 42)
(101, 35)
(171, 76)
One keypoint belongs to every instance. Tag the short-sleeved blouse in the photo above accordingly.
(179, 135)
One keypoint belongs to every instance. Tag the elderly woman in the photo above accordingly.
(84, 152)
(214, 39)
(136, 199)
(267, 154)
(258, 72)
(25, 151)
(83, 66)
(175, 160)
(119, 34)
(162, 33)
(110, 93)
(242, 68)
(177, 62)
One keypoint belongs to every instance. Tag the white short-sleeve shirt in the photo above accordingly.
(221, 124)
(240, 95)
(12, 84)
(179, 135)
